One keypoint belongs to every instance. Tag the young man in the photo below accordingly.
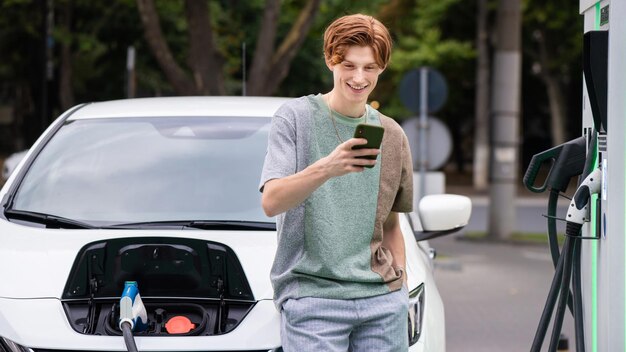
(338, 274)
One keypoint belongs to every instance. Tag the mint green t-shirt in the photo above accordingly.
(330, 246)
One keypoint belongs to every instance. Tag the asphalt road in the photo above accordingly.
(528, 215)
(493, 294)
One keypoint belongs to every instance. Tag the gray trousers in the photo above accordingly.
(376, 323)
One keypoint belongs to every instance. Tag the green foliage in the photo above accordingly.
(309, 73)
(20, 23)
(425, 37)
(529, 238)
(560, 26)
(429, 51)
(101, 32)
(435, 33)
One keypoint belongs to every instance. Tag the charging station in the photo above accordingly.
(603, 261)
(590, 265)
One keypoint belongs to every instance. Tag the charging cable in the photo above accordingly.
(127, 331)
(133, 315)
(577, 214)
(570, 159)
(568, 265)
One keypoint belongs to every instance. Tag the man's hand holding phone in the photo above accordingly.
(374, 136)
(355, 154)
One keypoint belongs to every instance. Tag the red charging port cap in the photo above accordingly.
(179, 325)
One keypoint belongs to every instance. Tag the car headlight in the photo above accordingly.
(7, 345)
(416, 314)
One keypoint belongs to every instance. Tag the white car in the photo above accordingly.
(163, 192)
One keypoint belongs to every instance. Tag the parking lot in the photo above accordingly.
(493, 294)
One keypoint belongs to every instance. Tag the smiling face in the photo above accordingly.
(354, 78)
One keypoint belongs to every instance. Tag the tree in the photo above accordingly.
(435, 34)
(21, 70)
(309, 73)
(206, 62)
(66, 89)
(554, 45)
(420, 39)
(481, 109)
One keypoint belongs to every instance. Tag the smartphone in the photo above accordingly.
(374, 136)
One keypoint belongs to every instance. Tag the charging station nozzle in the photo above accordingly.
(566, 161)
(132, 310)
(578, 210)
(133, 315)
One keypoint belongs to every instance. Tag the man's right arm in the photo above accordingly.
(282, 194)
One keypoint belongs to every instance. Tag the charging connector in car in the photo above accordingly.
(133, 315)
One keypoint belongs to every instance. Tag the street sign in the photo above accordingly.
(438, 140)
(437, 89)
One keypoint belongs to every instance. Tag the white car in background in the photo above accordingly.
(163, 191)
(11, 163)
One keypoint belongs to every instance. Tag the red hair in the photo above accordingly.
(357, 30)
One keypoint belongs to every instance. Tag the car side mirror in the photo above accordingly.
(441, 214)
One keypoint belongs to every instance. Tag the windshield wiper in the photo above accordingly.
(177, 224)
(51, 221)
(200, 224)
(232, 225)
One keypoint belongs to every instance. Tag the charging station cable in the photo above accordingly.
(577, 215)
(567, 161)
(127, 331)
(133, 315)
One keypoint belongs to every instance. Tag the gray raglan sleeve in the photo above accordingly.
(280, 159)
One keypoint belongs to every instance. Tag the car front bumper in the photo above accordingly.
(41, 324)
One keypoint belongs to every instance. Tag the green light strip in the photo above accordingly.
(624, 227)
(594, 244)
(594, 263)
(594, 276)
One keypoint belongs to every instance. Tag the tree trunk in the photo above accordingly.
(505, 104)
(204, 60)
(269, 67)
(557, 109)
(23, 111)
(152, 31)
(282, 58)
(556, 99)
(66, 90)
(261, 64)
(481, 126)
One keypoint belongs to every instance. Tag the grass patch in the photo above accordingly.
(475, 235)
(518, 237)
(530, 237)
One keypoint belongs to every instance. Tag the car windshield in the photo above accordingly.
(125, 170)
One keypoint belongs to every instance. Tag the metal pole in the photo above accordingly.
(423, 127)
(48, 74)
(130, 72)
(505, 113)
(243, 68)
